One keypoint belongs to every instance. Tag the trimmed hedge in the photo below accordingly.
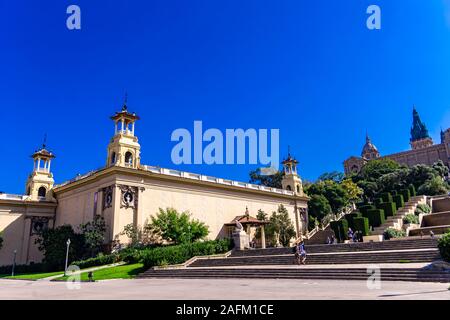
(391, 233)
(399, 201)
(376, 217)
(406, 194)
(444, 246)
(100, 260)
(412, 190)
(26, 268)
(386, 196)
(390, 208)
(378, 201)
(351, 217)
(366, 208)
(361, 224)
(181, 253)
(340, 229)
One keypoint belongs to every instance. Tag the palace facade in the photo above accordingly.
(125, 191)
(423, 149)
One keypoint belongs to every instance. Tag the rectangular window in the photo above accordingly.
(95, 203)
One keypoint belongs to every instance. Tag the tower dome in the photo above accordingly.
(369, 151)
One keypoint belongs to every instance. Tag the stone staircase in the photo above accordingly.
(279, 263)
(386, 274)
(396, 221)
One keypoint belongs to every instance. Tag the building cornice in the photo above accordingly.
(146, 173)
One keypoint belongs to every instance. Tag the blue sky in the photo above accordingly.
(309, 68)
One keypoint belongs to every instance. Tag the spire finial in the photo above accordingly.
(125, 101)
(44, 144)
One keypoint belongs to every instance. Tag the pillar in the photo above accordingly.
(263, 237)
(132, 128)
(123, 125)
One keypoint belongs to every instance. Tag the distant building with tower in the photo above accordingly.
(423, 149)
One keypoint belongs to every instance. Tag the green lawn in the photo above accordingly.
(31, 276)
(127, 271)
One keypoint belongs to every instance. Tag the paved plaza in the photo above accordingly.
(240, 289)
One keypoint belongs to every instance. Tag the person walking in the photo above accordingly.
(302, 250)
(297, 258)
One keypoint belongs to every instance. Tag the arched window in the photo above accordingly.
(289, 188)
(28, 191)
(129, 158)
(113, 158)
(298, 189)
(42, 192)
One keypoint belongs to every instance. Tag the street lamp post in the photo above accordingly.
(67, 255)
(14, 263)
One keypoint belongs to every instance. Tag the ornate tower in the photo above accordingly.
(419, 133)
(369, 151)
(291, 180)
(124, 149)
(40, 182)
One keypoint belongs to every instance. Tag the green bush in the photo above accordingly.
(390, 208)
(391, 233)
(364, 209)
(386, 196)
(411, 218)
(406, 194)
(376, 217)
(361, 224)
(340, 229)
(422, 208)
(100, 260)
(378, 201)
(399, 201)
(351, 217)
(412, 190)
(183, 252)
(27, 268)
(444, 246)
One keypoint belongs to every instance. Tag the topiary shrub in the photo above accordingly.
(390, 208)
(386, 196)
(364, 209)
(351, 217)
(391, 233)
(399, 201)
(376, 217)
(444, 246)
(422, 208)
(181, 253)
(411, 218)
(378, 201)
(412, 190)
(361, 224)
(340, 229)
(406, 194)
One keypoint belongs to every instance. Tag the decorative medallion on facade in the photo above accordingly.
(107, 197)
(38, 225)
(128, 197)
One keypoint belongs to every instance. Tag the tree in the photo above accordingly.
(433, 187)
(53, 244)
(376, 168)
(281, 226)
(353, 192)
(273, 181)
(334, 192)
(177, 227)
(333, 176)
(318, 206)
(94, 234)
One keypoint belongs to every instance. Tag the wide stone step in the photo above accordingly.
(349, 247)
(331, 274)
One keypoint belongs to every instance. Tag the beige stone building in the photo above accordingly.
(423, 149)
(126, 192)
